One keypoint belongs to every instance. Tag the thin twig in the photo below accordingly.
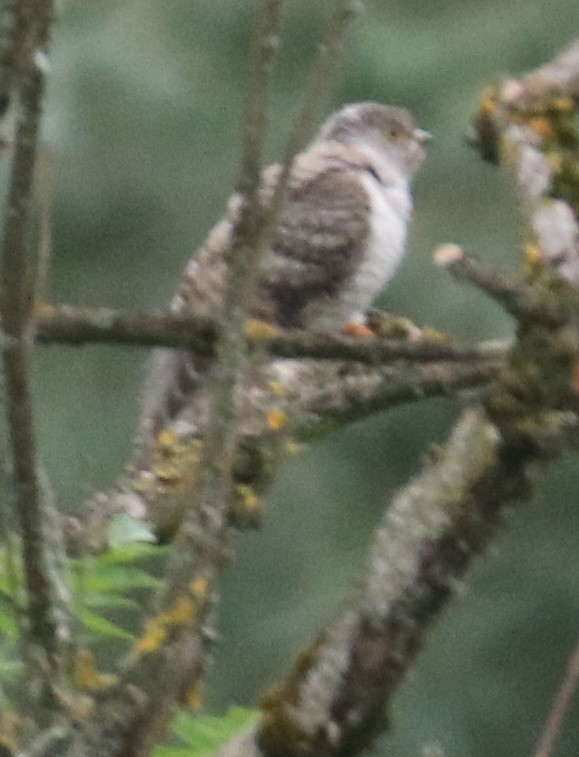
(44, 194)
(45, 629)
(316, 93)
(520, 299)
(560, 706)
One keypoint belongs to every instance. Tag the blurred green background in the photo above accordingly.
(142, 132)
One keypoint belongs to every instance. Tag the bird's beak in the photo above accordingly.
(421, 135)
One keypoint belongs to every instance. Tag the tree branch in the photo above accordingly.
(521, 299)
(560, 707)
(357, 394)
(562, 72)
(47, 626)
(65, 324)
(530, 126)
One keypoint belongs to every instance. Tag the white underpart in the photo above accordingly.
(391, 206)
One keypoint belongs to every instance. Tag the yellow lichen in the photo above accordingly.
(155, 634)
(488, 105)
(278, 388)
(292, 448)
(167, 475)
(276, 419)
(179, 613)
(257, 330)
(200, 588)
(166, 438)
(542, 126)
(250, 499)
(194, 697)
(532, 259)
(563, 104)
(86, 673)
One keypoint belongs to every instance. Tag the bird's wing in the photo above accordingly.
(319, 241)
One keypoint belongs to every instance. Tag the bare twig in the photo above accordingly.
(47, 629)
(560, 707)
(519, 298)
(316, 93)
(64, 324)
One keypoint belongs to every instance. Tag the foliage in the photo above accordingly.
(203, 734)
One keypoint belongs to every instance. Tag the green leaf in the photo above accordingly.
(204, 734)
(107, 599)
(101, 626)
(127, 530)
(129, 553)
(8, 625)
(116, 578)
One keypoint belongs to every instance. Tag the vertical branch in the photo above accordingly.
(169, 656)
(530, 125)
(45, 629)
(316, 92)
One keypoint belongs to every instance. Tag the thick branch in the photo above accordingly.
(357, 394)
(336, 700)
(562, 72)
(530, 125)
(325, 398)
(64, 324)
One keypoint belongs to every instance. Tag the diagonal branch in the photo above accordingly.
(560, 707)
(357, 394)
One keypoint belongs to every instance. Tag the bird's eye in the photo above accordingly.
(393, 132)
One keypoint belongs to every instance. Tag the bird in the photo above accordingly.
(339, 239)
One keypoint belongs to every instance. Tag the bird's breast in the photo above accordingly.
(391, 207)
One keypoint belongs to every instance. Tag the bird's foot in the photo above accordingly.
(358, 329)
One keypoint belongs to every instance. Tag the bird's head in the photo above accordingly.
(386, 129)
